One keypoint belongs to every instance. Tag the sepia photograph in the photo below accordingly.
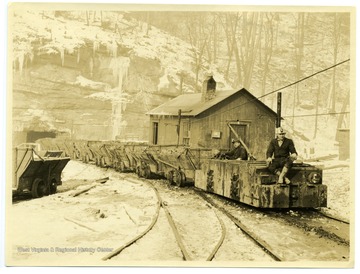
(174, 135)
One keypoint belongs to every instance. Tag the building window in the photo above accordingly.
(155, 132)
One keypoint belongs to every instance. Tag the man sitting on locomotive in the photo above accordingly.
(284, 152)
(238, 152)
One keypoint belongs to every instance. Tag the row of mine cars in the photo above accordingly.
(247, 181)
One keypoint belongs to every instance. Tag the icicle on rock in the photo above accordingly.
(78, 56)
(96, 46)
(119, 68)
(112, 48)
(31, 56)
(21, 61)
(62, 56)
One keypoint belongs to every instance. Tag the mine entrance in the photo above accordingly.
(32, 136)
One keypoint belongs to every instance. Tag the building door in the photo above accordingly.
(241, 130)
(155, 131)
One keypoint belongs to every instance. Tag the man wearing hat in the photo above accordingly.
(238, 152)
(281, 153)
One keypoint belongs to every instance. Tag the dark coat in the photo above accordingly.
(238, 152)
(283, 151)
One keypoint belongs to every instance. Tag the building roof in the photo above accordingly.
(192, 105)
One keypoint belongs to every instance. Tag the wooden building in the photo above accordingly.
(206, 120)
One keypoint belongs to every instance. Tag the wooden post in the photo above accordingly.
(178, 127)
(278, 120)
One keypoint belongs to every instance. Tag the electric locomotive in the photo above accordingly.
(251, 183)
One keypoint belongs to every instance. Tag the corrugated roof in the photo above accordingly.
(192, 105)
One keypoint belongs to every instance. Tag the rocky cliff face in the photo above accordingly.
(89, 82)
(49, 97)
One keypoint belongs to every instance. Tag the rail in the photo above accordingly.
(244, 229)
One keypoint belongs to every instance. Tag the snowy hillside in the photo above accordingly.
(113, 68)
(60, 36)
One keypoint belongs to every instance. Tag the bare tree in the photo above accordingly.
(211, 26)
(299, 54)
(268, 48)
(230, 27)
(87, 18)
(317, 108)
(345, 104)
(249, 45)
(198, 39)
(214, 38)
(336, 38)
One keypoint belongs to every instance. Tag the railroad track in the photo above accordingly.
(232, 211)
(255, 238)
(307, 230)
(314, 220)
(330, 216)
(118, 250)
(177, 234)
(186, 254)
(267, 246)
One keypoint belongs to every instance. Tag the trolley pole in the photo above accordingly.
(178, 127)
(278, 120)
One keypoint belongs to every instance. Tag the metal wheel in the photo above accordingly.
(170, 177)
(102, 162)
(138, 171)
(146, 171)
(39, 188)
(87, 158)
(179, 178)
(121, 166)
(53, 186)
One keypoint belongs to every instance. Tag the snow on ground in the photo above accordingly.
(61, 229)
(55, 228)
(338, 181)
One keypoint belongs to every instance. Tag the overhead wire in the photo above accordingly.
(321, 114)
(305, 78)
(284, 87)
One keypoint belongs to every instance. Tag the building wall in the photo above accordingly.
(167, 130)
(237, 109)
(210, 129)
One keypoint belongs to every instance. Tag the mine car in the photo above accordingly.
(37, 173)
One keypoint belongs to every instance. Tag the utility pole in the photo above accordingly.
(178, 127)
(278, 120)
